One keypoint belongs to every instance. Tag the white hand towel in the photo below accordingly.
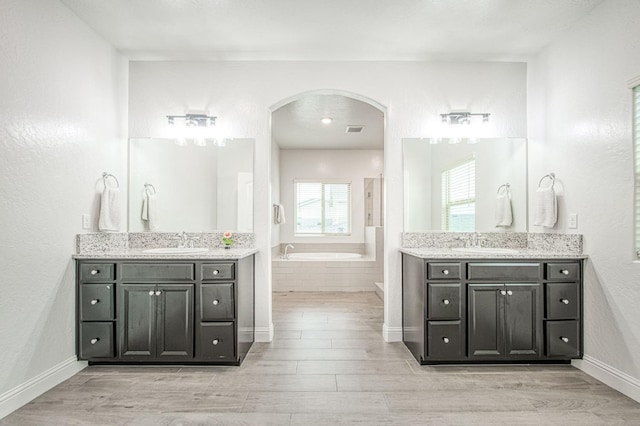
(150, 210)
(546, 208)
(504, 216)
(109, 210)
(278, 214)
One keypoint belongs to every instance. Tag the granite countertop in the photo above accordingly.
(447, 253)
(212, 254)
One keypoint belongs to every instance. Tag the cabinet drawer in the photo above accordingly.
(157, 271)
(443, 271)
(216, 302)
(444, 339)
(218, 271)
(97, 302)
(97, 272)
(96, 340)
(217, 341)
(563, 271)
(563, 339)
(443, 301)
(508, 272)
(562, 300)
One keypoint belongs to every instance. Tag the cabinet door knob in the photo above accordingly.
(510, 293)
(565, 301)
(446, 301)
(503, 292)
(215, 342)
(95, 301)
(564, 271)
(445, 271)
(94, 340)
(151, 292)
(445, 339)
(216, 301)
(158, 292)
(565, 339)
(95, 271)
(216, 272)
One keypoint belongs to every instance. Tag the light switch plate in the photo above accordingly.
(86, 221)
(573, 220)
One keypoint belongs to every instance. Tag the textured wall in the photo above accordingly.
(242, 94)
(62, 122)
(580, 128)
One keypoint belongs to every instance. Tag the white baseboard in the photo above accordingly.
(36, 386)
(264, 334)
(610, 376)
(391, 334)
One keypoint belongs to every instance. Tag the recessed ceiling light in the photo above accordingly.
(327, 120)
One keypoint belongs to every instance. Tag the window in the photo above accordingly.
(636, 146)
(323, 208)
(459, 197)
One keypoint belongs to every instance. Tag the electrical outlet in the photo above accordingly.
(86, 221)
(573, 220)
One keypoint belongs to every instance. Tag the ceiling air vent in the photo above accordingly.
(354, 129)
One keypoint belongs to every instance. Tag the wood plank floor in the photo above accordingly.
(328, 365)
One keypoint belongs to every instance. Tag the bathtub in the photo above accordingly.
(323, 257)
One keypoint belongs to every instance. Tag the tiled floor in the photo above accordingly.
(328, 365)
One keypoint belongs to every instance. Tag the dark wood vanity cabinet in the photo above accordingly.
(491, 310)
(171, 311)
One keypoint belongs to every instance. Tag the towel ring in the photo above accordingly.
(551, 176)
(106, 175)
(148, 185)
(506, 185)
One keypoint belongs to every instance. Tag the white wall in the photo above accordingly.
(348, 165)
(581, 129)
(275, 192)
(62, 123)
(242, 94)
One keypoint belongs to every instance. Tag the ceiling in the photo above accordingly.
(330, 30)
(298, 124)
(433, 30)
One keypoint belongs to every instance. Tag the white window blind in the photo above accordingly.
(636, 144)
(323, 208)
(459, 197)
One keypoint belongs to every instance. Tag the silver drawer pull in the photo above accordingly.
(216, 301)
(151, 292)
(158, 292)
(445, 271)
(565, 339)
(95, 271)
(446, 301)
(564, 272)
(94, 340)
(216, 272)
(445, 339)
(215, 341)
(510, 293)
(565, 301)
(503, 292)
(95, 301)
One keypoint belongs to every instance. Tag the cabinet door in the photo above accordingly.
(486, 324)
(523, 320)
(138, 320)
(174, 331)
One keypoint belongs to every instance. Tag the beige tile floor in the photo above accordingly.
(328, 365)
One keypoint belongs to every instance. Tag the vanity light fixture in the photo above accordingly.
(193, 120)
(463, 117)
